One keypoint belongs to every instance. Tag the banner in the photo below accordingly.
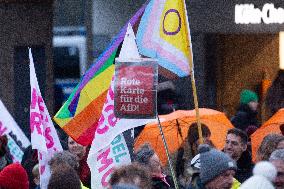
(43, 134)
(102, 163)
(17, 140)
(110, 126)
(135, 89)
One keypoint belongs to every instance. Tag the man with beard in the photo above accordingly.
(236, 148)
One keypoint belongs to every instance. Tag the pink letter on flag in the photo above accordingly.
(43, 134)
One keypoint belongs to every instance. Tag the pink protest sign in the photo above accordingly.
(135, 89)
(43, 134)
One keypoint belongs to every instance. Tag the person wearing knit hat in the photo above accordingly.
(217, 170)
(247, 111)
(264, 174)
(196, 164)
(248, 96)
(14, 176)
(193, 168)
(277, 159)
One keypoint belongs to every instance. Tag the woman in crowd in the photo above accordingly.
(147, 157)
(81, 153)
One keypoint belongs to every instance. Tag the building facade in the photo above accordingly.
(25, 24)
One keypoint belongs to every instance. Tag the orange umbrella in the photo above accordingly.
(216, 121)
(270, 126)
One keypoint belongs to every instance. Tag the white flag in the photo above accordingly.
(17, 140)
(108, 149)
(44, 137)
(102, 163)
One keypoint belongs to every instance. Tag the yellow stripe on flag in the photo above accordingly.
(61, 122)
(173, 26)
(95, 88)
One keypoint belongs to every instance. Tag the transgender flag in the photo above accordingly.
(163, 34)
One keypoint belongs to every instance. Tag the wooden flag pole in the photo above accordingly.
(193, 79)
(196, 103)
(168, 154)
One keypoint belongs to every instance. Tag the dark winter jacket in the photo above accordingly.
(244, 117)
(29, 160)
(160, 183)
(245, 166)
(196, 184)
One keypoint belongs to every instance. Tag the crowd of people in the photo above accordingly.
(205, 167)
(68, 168)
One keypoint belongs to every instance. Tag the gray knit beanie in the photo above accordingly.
(213, 163)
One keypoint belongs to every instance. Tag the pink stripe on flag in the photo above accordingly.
(149, 43)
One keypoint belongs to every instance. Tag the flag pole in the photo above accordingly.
(194, 91)
(168, 154)
(196, 104)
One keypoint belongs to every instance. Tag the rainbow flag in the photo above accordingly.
(163, 33)
(79, 115)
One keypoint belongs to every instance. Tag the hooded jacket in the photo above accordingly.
(244, 117)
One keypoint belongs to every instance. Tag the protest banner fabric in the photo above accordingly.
(17, 140)
(80, 123)
(102, 163)
(136, 81)
(44, 137)
(109, 126)
(79, 115)
(163, 33)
